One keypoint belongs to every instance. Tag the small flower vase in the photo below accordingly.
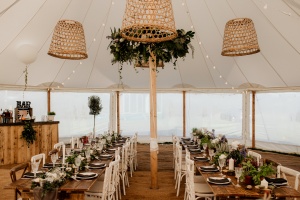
(51, 195)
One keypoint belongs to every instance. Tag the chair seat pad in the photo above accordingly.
(199, 179)
(202, 188)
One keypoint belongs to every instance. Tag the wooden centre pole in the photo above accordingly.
(153, 122)
(253, 119)
(48, 100)
(118, 112)
(184, 113)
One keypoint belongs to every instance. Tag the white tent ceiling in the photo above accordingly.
(277, 24)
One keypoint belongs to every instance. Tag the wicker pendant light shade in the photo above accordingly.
(240, 38)
(148, 21)
(68, 41)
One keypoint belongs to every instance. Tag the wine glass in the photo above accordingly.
(54, 158)
(238, 173)
(77, 164)
(204, 145)
(211, 153)
(35, 167)
(221, 164)
(68, 151)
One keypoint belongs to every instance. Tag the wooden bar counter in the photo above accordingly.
(14, 150)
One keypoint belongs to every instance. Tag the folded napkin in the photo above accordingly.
(31, 174)
(275, 180)
(218, 180)
(84, 174)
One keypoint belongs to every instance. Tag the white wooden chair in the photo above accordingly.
(179, 168)
(135, 151)
(38, 158)
(175, 139)
(255, 155)
(194, 190)
(100, 189)
(61, 147)
(124, 166)
(74, 141)
(282, 171)
(131, 154)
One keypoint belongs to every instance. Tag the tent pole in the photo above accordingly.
(118, 112)
(253, 119)
(48, 100)
(153, 122)
(184, 113)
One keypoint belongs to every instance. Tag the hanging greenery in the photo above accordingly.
(125, 51)
(28, 134)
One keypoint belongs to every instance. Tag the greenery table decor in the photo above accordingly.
(28, 134)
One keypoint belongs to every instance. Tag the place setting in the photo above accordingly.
(201, 158)
(97, 165)
(219, 180)
(86, 175)
(209, 169)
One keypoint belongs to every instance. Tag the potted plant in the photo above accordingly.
(95, 108)
(253, 174)
(51, 115)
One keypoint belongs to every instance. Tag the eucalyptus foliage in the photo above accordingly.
(95, 105)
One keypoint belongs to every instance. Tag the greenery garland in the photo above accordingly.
(125, 51)
(28, 134)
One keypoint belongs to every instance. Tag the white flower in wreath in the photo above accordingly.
(215, 141)
(222, 156)
(220, 136)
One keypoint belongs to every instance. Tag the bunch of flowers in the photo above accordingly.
(52, 179)
(220, 139)
(71, 160)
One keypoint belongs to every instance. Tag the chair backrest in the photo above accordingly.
(15, 169)
(281, 170)
(106, 181)
(115, 175)
(255, 155)
(38, 158)
(125, 158)
(178, 161)
(61, 147)
(74, 141)
(190, 187)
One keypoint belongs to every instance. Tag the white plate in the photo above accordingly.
(106, 155)
(194, 149)
(86, 178)
(97, 166)
(218, 178)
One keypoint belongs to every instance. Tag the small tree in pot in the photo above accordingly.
(95, 108)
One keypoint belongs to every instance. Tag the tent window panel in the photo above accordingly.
(169, 114)
(278, 117)
(73, 113)
(219, 111)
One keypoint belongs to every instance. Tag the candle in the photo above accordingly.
(231, 164)
(264, 183)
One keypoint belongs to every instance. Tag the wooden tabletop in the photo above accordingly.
(232, 190)
(24, 184)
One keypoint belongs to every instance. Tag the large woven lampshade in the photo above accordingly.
(68, 41)
(240, 38)
(148, 21)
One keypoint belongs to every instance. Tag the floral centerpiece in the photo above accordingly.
(238, 153)
(49, 182)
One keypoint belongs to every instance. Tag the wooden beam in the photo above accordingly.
(49, 100)
(118, 112)
(253, 119)
(184, 113)
(153, 122)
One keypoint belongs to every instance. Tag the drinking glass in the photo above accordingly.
(211, 153)
(238, 173)
(35, 167)
(77, 164)
(221, 164)
(199, 142)
(54, 158)
(68, 151)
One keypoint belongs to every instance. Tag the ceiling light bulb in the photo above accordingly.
(80, 63)
(206, 56)
(94, 39)
(192, 27)
(266, 7)
(226, 83)
(63, 83)
(69, 78)
(73, 71)
(182, 4)
(103, 24)
(113, 3)
(220, 76)
(214, 67)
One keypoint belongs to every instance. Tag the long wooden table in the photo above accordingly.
(72, 189)
(230, 190)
